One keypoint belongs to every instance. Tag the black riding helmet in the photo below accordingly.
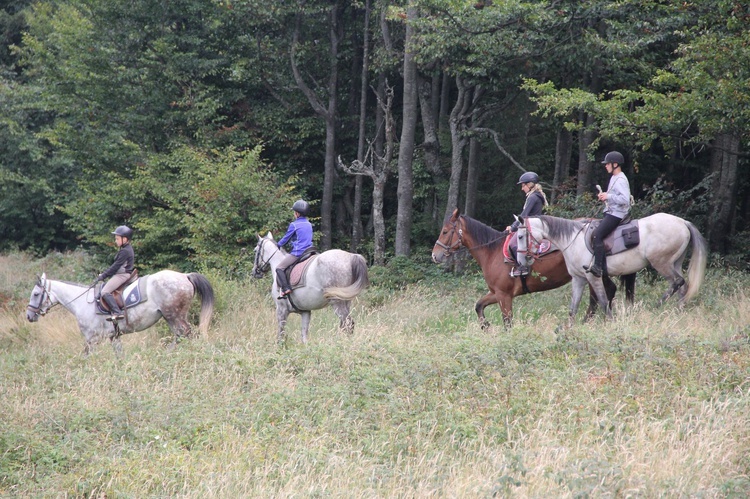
(614, 157)
(528, 177)
(301, 207)
(123, 231)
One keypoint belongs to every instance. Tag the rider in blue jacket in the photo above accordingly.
(300, 233)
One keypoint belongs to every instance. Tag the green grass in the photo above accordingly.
(418, 402)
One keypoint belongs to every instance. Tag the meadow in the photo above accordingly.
(418, 402)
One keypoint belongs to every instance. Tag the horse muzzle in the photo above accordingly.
(32, 315)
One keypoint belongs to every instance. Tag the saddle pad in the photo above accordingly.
(133, 294)
(298, 272)
(624, 237)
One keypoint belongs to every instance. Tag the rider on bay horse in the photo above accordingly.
(535, 202)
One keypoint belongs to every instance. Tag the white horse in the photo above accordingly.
(664, 242)
(334, 277)
(169, 295)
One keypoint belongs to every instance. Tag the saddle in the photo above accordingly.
(297, 272)
(511, 243)
(130, 294)
(624, 237)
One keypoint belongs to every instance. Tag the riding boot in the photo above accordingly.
(597, 268)
(283, 283)
(114, 309)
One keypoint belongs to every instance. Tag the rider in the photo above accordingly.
(535, 202)
(120, 271)
(617, 202)
(300, 232)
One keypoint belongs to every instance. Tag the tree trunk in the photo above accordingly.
(357, 204)
(563, 148)
(405, 191)
(724, 163)
(459, 115)
(585, 139)
(329, 114)
(431, 145)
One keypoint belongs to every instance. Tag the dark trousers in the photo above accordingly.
(608, 224)
(281, 279)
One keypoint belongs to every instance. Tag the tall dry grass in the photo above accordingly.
(418, 402)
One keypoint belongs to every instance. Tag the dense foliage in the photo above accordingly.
(115, 111)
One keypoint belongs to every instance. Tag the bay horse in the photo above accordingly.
(664, 242)
(169, 295)
(334, 277)
(486, 246)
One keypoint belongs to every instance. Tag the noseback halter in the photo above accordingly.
(449, 250)
(260, 266)
(44, 303)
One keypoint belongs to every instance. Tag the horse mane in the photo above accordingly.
(484, 235)
(560, 227)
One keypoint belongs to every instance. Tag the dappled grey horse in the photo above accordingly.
(334, 277)
(169, 293)
(664, 242)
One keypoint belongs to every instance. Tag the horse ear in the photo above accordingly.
(519, 218)
(454, 216)
(269, 235)
(259, 238)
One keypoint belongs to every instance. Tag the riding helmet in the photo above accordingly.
(528, 177)
(124, 231)
(301, 207)
(614, 157)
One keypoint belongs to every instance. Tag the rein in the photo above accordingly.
(46, 291)
(449, 250)
(259, 263)
(534, 240)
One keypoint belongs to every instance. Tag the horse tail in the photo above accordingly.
(204, 289)
(697, 267)
(360, 281)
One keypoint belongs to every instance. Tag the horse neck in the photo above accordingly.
(69, 296)
(481, 253)
(277, 254)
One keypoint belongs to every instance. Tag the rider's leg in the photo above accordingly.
(281, 280)
(605, 228)
(523, 269)
(110, 287)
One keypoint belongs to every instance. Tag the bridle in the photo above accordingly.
(45, 301)
(260, 266)
(449, 250)
(533, 243)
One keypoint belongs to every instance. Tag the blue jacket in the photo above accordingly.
(300, 232)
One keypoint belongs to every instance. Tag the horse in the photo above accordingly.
(334, 277)
(169, 295)
(485, 244)
(664, 242)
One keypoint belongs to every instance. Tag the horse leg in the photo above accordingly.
(677, 282)
(306, 315)
(479, 307)
(281, 315)
(342, 310)
(506, 307)
(116, 345)
(578, 284)
(674, 276)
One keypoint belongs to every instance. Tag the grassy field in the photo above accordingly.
(418, 402)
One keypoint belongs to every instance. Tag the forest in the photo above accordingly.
(199, 122)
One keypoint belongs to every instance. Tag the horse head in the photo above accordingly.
(450, 239)
(40, 300)
(262, 258)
